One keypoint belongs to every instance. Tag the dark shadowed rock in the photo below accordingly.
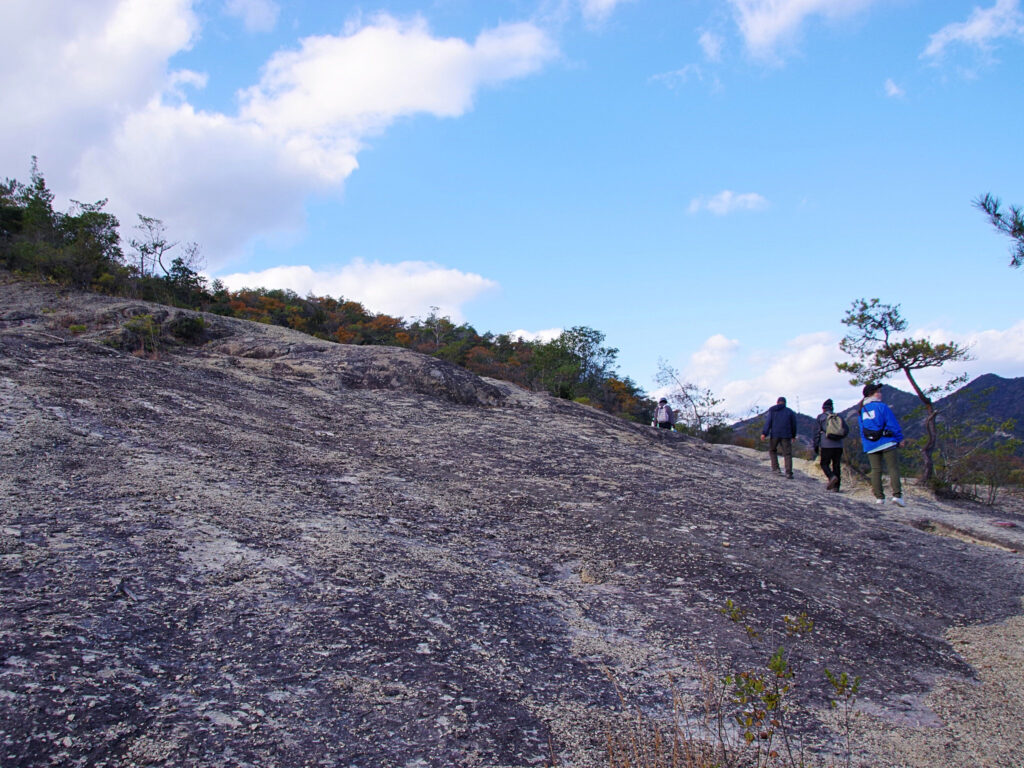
(268, 550)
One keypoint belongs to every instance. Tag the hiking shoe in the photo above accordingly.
(833, 483)
(879, 501)
(898, 501)
(789, 476)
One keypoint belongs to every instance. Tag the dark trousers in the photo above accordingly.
(664, 425)
(786, 444)
(830, 460)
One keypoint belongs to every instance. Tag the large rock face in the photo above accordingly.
(261, 549)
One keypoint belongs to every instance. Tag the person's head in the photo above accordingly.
(828, 405)
(781, 401)
(663, 401)
(872, 391)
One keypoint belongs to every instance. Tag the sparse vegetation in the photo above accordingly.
(142, 335)
(83, 248)
(187, 328)
(976, 461)
(742, 719)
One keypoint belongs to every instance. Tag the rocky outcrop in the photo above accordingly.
(255, 548)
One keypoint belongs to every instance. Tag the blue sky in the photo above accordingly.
(711, 182)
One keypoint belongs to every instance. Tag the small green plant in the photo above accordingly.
(142, 332)
(747, 718)
(761, 698)
(77, 328)
(843, 697)
(187, 328)
(799, 625)
(738, 615)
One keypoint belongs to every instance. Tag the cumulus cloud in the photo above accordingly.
(546, 335)
(765, 24)
(893, 91)
(74, 71)
(712, 359)
(256, 15)
(406, 289)
(1002, 349)
(160, 145)
(598, 10)
(728, 201)
(803, 370)
(992, 351)
(981, 29)
(116, 121)
(323, 99)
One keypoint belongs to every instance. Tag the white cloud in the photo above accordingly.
(712, 359)
(981, 29)
(767, 23)
(893, 91)
(116, 122)
(680, 76)
(406, 289)
(712, 45)
(545, 335)
(728, 201)
(95, 62)
(993, 351)
(804, 371)
(256, 15)
(599, 10)
(160, 146)
(325, 98)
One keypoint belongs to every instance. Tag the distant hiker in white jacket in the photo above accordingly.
(664, 417)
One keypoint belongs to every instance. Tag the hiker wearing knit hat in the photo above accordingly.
(829, 430)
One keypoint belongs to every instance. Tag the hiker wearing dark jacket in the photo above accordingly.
(829, 443)
(881, 437)
(779, 430)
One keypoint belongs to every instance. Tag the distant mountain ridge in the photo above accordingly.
(988, 396)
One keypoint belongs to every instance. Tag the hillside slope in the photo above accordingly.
(261, 549)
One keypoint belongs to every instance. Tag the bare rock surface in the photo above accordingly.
(260, 549)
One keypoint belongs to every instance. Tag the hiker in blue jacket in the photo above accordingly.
(881, 436)
(779, 430)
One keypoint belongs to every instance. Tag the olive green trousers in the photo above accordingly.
(891, 457)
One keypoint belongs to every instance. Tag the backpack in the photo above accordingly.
(834, 427)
